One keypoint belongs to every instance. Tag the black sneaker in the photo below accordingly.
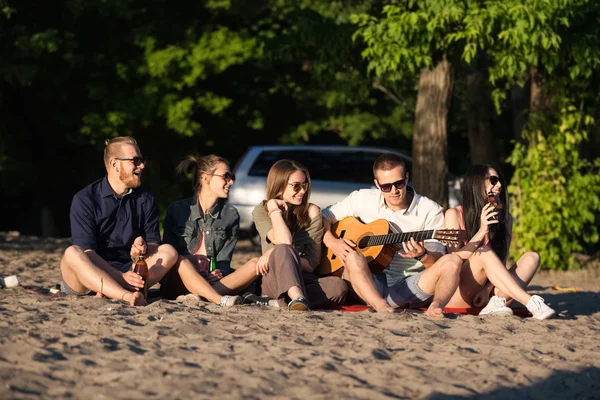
(299, 304)
(251, 298)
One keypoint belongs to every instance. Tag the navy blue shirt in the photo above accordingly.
(102, 222)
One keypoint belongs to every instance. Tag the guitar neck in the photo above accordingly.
(396, 238)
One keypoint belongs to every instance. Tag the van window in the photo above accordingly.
(327, 165)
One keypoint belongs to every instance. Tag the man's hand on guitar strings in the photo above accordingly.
(412, 249)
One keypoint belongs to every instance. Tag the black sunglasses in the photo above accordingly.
(136, 160)
(297, 186)
(387, 187)
(227, 176)
(493, 179)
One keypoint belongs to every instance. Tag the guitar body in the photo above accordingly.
(378, 257)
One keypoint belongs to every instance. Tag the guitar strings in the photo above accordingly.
(393, 238)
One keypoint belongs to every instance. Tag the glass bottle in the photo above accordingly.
(499, 208)
(141, 268)
(213, 264)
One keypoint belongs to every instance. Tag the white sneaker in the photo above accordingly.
(539, 309)
(228, 301)
(496, 306)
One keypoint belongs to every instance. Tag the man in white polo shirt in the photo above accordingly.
(420, 274)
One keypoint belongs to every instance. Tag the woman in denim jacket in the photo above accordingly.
(201, 228)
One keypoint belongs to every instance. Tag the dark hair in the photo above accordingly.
(199, 166)
(277, 182)
(388, 161)
(474, 199)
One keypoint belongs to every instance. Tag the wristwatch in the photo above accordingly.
(419, 258)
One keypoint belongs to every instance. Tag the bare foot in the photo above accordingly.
(383, 307)
(135, 299)
(434, 311)
(99, 295)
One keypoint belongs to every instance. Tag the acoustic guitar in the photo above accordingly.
(378, 243)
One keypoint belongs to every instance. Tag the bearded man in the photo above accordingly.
(114, 221)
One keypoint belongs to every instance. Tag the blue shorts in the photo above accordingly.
(404, 294)
(121, 267)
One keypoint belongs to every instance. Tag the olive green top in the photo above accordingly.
(307, 242)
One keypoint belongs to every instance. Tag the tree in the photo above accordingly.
(483, 145)
(549, 44)
(207, 77)
(409, 41)
(555, 192)
(430, 139)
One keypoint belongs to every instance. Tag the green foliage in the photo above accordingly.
(207, 77)
(541, 34)
(555, 194)
(514, 35)
(403, 41)
(555, 190)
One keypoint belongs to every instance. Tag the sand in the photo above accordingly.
(72, 347)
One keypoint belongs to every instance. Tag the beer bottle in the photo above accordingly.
(141, 268)
(213, 264)
(497, 207)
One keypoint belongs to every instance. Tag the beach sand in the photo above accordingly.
(72, 347)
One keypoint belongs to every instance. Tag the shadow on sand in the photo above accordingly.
(584, 384)
(570, 305)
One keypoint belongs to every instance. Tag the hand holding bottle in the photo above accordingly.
(138, 248)
(201, 263)
(499, 208)
(141, 268)
(487, 214)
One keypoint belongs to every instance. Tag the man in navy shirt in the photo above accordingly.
(114, 221)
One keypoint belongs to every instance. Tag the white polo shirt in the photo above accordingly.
(369, 205)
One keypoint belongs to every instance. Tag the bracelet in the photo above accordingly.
(274, 211)
(419, 258)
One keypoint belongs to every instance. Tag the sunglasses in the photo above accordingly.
(227, 176)
(297, 186)
(387, 187)
(493, 179)
(136, 160)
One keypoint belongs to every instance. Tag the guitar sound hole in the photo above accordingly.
(363, 242)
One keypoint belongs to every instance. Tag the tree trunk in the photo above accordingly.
(519, 103)
(539, 101)
(482, 138)
(430, 140)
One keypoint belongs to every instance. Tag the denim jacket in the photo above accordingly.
(184, 223)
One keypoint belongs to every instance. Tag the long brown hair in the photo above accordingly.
(199, 166)
(277, 182)
(474, 199)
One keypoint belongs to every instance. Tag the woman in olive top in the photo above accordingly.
(291, 231)
(201, 228)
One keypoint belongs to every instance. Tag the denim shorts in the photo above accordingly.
(404, 294)
(65, 289)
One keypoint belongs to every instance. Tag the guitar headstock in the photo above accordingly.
(450, 235)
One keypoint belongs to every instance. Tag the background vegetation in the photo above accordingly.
(506, 82)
